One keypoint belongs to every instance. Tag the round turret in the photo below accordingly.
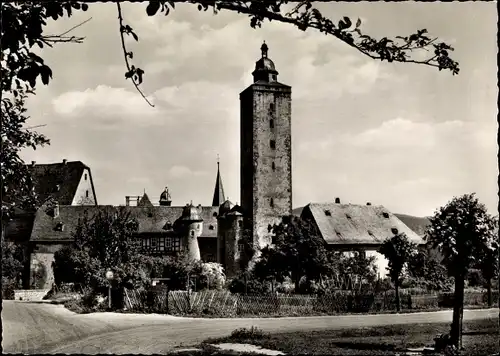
(191, 213)
(225, 208)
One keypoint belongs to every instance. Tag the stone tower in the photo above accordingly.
(190, 226)
(266, 153)
(229, 234)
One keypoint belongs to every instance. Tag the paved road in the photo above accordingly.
(45, 328)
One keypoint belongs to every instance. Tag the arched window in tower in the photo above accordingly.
(272, 144)
(273, 166)
(271, 202)
(271, 123)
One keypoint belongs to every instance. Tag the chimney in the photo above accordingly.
(65, 161)
(33, 163)
(368, 203)
(56, 209)
(337, 200)
(127, 200)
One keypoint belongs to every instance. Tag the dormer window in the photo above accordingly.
(59, 226)
(394, 231)
(385, 215)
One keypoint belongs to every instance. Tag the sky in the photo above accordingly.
(405, 136)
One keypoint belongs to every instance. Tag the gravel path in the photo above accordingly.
(45, 328)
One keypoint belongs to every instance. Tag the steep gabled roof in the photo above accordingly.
(154, 219)
(417, 224)
(219, 197)
(57, 180)
(349, 224)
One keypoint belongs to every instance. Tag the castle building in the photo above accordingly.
(211, 233)
(266, 152)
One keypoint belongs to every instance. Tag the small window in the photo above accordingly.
(60, 226)
(86, 193)
(273, 144)
(328, 213)
(240, 223)
(211, 227)
(192, 232)
(85, 177)
(273, 166)
(271, 106)
(271, 202)
(271, 123)
(214, 214)
(241, 247)
(150, 214)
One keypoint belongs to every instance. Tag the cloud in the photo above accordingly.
(184, 172)
(104, 105)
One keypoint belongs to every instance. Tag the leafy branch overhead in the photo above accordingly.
(305, 16)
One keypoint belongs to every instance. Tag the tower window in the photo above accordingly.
(273, 166)
(86, 193)
(85, 177)
(192, 233)
(271, 202)
(271, 123)
(273, 144)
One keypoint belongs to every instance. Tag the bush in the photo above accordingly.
(8, 287)
(248, 285)
(253, 333)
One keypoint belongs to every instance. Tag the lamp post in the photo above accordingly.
(109, 277)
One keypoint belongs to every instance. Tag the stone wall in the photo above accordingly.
(30, 294)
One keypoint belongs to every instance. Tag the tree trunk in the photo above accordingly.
(458, 312)
(490, 297)
(398, 301)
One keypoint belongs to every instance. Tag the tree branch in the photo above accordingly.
(125, 54)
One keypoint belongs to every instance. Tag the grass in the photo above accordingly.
(480, 337)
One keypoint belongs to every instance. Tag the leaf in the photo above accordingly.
(153, 8)
(358, 23)
(347, 21)
(134, 35)
(45, 73)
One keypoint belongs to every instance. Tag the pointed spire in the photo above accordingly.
(144, 200)
(219, 189)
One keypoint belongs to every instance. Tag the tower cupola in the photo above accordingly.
(264, 68)
(165, 198)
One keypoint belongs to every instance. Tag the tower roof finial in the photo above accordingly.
(264, 49)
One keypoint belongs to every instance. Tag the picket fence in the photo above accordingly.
(225, 304)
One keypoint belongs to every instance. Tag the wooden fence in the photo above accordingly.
(225, 304)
